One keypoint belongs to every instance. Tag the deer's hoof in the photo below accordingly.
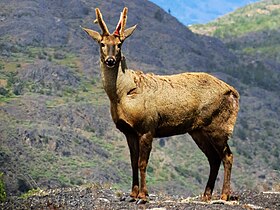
(224, 197)
(206, 198)
(127, 199)
(123, 198)
(141, 201)
(131, 199)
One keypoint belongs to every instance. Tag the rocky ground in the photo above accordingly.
(96, 197)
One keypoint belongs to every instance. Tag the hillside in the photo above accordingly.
(56, 128)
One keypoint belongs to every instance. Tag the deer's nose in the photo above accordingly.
(110, 61)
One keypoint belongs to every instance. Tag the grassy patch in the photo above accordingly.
(271, 52)
(86, 93)
(21, 56)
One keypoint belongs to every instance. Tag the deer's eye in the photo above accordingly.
(102, 45)
(119, 45)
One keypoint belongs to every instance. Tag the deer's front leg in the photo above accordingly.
(133, 144)
(145, 146)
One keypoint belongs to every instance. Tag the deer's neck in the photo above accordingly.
(116, 81)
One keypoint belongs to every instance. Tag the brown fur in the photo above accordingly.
(144, 106)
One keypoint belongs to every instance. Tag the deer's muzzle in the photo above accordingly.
(110, 62)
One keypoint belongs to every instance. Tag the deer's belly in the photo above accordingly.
(176, 124)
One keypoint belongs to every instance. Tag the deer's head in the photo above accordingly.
(110, 44)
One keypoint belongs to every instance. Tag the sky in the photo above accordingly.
(199, 12)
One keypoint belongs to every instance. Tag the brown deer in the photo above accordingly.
(146, 106)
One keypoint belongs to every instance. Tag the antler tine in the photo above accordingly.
(118, 28)
(101, 22)
(123, 22)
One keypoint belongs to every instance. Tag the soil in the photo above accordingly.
(92, 197)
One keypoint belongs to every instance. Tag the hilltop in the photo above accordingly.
(56, 129)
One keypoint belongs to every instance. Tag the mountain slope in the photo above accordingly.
(56, 129)
(185, 50)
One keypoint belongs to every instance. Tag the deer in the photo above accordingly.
(145, 106)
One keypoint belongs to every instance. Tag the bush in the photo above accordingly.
(159, 15)
(18, 88)
(2, 189)
(4, 91)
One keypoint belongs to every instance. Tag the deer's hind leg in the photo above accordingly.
(214, 160)
(227, 158)
(219, 142)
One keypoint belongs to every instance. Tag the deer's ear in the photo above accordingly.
(129, 31)
(93, 34)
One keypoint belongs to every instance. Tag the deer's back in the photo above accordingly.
(175, 104)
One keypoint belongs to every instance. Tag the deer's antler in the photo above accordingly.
(101, 22)
(121, 24)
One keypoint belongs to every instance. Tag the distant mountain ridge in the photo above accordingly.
(255, 17)
(194, 12)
